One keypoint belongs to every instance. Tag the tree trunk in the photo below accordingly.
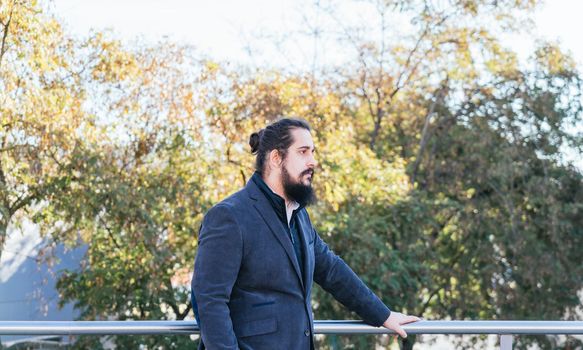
(3, 229)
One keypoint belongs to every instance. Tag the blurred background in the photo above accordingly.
(449, 137)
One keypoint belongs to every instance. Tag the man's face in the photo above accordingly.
(298, 168)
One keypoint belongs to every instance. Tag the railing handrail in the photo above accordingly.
(320, 327)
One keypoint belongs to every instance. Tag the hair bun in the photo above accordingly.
(254, 141)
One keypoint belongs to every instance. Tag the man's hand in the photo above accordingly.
(396, 319)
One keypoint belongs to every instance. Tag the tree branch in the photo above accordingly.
(3, 47)
(22, 202)
(426, 134)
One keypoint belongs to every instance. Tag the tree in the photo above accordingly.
(100, 148)
(42, 121)
(441, 180)
(134, 196)
(514, 241)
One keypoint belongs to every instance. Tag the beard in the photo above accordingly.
(296, 190)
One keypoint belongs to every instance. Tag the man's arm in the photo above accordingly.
(216, 266)
(338, 279)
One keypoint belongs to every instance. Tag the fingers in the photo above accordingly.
(397, 319)
(400, 331)
(410, 319)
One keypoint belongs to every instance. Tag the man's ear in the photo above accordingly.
(275, 159)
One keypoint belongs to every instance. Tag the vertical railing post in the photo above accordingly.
(506, 342)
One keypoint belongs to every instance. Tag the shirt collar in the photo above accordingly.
(289, 210)
(277, 203)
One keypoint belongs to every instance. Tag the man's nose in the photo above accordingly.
(312, 162)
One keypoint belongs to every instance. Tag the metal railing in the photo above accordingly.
(505, 329)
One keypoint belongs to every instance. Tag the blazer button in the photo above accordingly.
(307, 332)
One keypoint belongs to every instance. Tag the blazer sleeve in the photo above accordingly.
(217, 263)
(338, 279)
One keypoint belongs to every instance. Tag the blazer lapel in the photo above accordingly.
(275, 225)
(305, 228)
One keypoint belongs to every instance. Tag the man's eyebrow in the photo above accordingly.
(306, 147)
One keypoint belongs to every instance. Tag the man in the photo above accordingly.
(258, 254)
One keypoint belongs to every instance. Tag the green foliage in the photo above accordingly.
(137, 225)
(441, 178)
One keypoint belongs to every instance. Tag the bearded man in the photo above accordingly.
(258, 254)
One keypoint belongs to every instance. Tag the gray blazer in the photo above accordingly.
(247, 287)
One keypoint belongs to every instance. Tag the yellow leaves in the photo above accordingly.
(351, 171)
(40, 109)
(553, 60)
(211, 67)
(114, 64)
(470, 6)
(49, 54)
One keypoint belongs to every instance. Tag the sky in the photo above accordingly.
(218, 28)
(222, 28)
(225, 29)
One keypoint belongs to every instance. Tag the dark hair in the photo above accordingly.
(275, 136)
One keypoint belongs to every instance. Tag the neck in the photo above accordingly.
(275, 184)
